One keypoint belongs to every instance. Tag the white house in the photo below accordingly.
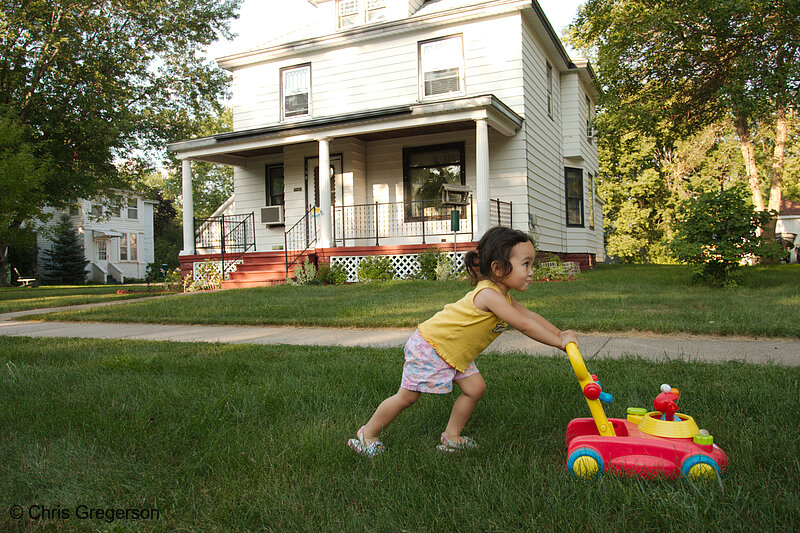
(117, 239)
(787, 228)
(398, 98)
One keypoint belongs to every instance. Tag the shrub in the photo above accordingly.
(428, 261)
(716, 231)
(375, 268)
(332, 274)
(305, 274)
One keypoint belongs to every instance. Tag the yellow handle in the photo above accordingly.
(596, 408)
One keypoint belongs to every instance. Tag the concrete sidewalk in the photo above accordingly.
(657, 347)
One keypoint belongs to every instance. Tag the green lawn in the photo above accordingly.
(251, 438)
(654, 298)
(22, 298)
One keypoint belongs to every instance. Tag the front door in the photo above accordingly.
(101, 254)
(312, 181)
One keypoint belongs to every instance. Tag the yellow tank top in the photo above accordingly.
(461, 331)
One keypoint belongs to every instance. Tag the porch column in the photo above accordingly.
(482, 169)
(324, 193)
(188, 208)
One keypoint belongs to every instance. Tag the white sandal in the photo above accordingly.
(361, 447)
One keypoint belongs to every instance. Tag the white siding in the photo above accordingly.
(543, 148)
(383, 73)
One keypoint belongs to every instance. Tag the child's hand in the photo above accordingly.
(567, 336)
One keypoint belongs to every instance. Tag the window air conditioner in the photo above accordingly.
(272, 215)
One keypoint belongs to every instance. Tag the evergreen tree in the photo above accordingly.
(65, 261)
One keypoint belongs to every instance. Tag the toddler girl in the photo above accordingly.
(442, 349)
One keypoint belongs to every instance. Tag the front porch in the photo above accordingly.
(387, 156)
(358, 231)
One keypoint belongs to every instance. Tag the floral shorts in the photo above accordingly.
(425, 370)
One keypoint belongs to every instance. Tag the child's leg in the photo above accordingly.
(388, 411)
(472, 388)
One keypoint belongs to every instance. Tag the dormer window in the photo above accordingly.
(354, 12)
(441, 67)
(295, 91)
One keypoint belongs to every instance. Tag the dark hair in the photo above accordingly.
(495, 245)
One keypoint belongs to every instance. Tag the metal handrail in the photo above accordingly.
(310, 237)
(235, 233)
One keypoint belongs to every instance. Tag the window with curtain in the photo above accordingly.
(441, 67)
(296, 91)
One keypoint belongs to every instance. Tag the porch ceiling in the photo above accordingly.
(235, 148)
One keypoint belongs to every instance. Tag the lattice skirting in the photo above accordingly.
(199, 275)
(405, 266)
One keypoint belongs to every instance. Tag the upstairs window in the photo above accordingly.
(573, 178)
(589, 120)
(133, 209)
(441, 67)
(354, 12)
(376, 10)
(349, 14)
(295, 91)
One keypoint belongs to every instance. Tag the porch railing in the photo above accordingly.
(300, 237)
(368, 224)
(229, 235)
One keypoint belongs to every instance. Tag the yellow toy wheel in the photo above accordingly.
(585, 463)
(700, 468)
(701, 471)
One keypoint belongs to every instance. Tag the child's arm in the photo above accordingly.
(524, 320)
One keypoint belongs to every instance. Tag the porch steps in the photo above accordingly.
(259, 270)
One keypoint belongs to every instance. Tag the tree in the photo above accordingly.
(21, 176)
(65, 261)
(716, 231)
(679, 67)
(93, 81)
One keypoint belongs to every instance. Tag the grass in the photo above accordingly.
(251, 438)
(660, 299)
(23, 298)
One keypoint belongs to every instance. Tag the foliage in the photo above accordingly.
(428, 259)
(332, 274)
(86, 84)
(717, 231)
(65, 261)
(207, 277)
(446, 269)
(375, 268)
(669, 69)
(305, 274)
(22, 174)
(552, 268)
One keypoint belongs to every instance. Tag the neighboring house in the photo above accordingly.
(787, 228)
(117, 240)
(398, 98)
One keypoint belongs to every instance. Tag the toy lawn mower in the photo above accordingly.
(662, 443)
